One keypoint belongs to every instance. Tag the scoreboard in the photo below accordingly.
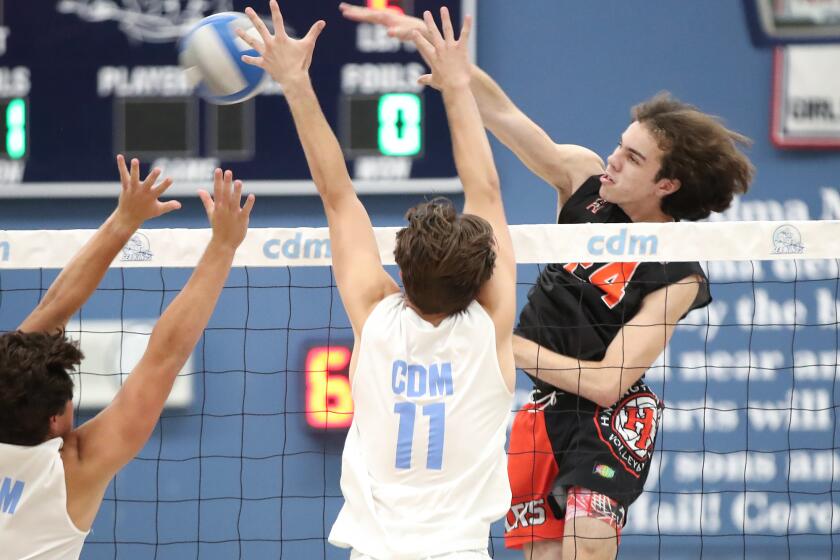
(83, 80)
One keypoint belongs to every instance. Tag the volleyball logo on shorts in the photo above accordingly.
(635, 422)
(138, 248)
(787, 241)
(149, 21)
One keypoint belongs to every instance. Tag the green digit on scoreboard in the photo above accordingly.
(16, 128)
(400, 124)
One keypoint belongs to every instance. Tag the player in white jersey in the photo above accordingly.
(52, 476)
(424, 467)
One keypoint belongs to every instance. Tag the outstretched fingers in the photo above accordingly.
(251, 41)
(433, 33)
(249, 204)
(134, 174)
(124, 176)
(466, 29)
(427, 50)
(446, 24)
(315, 31)
(259, 25)
(151, 178)
(163, 186)
(277, 19)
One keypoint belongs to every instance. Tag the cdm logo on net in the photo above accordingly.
(622, 244)
(298, 247)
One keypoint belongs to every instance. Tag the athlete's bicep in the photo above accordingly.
(359, 275)
(575, 164)
(116, 435)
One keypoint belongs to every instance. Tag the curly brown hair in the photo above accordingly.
(700, 152)
(35, 383)
(444, 257)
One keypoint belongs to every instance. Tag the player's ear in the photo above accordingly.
(664, 187)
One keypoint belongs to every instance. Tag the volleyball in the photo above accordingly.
(211, 55)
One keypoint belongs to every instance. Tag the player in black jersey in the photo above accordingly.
(580, 451)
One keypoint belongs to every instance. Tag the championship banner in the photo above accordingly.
(806, 97)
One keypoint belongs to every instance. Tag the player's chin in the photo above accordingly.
(605, 191)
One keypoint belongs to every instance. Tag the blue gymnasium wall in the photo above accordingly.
(575, 68)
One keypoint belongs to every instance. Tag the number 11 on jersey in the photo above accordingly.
(407, 412)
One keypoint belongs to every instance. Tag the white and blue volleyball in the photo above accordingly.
(210, 54)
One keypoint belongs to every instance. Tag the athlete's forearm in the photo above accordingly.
(81, 276)
(179, 328)
(321, 147)
(493, 102)
(602, 382)
(471, 148)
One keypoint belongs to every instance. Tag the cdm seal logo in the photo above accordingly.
(148, 21)
(137, 249)
(787, 241)
(622, 244)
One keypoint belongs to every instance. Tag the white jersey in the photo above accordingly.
(33, 504)
(424, 470)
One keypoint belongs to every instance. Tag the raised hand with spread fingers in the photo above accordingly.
(284, 58)
(139, 200)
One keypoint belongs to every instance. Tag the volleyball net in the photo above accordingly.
(245, 462)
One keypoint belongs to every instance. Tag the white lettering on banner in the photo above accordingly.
(801, 410)
(378, 168)
(763, 311)
(763, 211)
(724, 467)
(381, 78)
(811, 466)
(830, 203)
(828, 308)
(706, 414)
(734, 271)
(655, 513)
(724, 366)
(757, 512)
(15, 82)
(122, 81)
(706, 321)
(812, 365)
(805, 269)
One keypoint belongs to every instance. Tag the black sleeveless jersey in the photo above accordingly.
(576, 309)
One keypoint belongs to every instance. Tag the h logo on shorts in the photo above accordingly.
(640, 420)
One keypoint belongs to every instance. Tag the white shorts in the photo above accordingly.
(461, 555)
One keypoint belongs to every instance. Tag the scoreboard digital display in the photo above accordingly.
(83, 80)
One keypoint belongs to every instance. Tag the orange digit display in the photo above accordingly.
(329, 403)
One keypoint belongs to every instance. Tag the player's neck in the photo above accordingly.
(646, 213)
(433, 318)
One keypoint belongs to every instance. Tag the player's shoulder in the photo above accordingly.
(580, 164)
